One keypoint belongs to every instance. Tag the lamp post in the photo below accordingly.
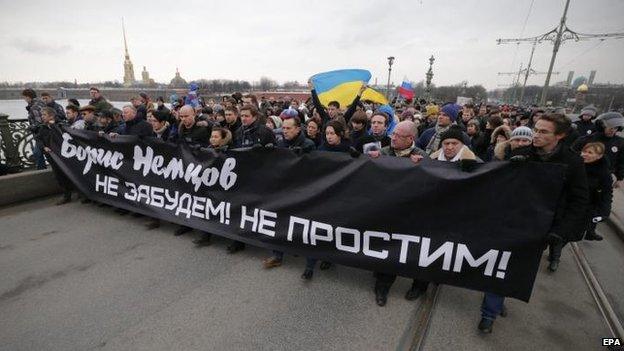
(390, 62)
(429, 78)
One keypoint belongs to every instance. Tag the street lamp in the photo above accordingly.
(429, 77)
(390, 62)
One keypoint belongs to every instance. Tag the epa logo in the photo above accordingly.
(612, 343)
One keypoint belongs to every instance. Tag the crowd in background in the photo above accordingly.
(422, 131)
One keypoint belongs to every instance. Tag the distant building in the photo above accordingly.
(128, 79)
(145, 78)
(178, 81)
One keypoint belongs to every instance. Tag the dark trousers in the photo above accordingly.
(383, 282)
(61, 178)
(310, 262)
(492, 305)
(554, 251)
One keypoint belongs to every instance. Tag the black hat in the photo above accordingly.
(454, 132)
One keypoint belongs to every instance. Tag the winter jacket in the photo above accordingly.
(344, 146)
(34, 113)
(572, 205)
(138, 127)
(196, 136)
(300, 142)
(413, 150)
(600, 188)
(614, 151)
(585, 128)
(58, 110)
(256, 133)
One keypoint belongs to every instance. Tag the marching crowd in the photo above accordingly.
(422, 131)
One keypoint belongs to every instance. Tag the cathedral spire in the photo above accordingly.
(128, 67)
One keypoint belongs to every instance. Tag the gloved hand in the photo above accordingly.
(467, 165)
(353, 152)
(518, 159)
(297, 150)
(597, 219)
(553, 239)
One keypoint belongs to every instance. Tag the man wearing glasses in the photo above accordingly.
(401, 145)
(569, 221)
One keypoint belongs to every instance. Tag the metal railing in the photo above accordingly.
(16, 144)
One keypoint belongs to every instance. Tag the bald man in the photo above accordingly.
(401, 145)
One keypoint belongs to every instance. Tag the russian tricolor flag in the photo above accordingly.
(406, 90)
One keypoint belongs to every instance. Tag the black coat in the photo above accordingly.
(138, 127)
(300, 142)
(344, 146)
(256, 133)
(585, 128)
(614, 151)
(195, 136)
(600, 188)
(569, 221)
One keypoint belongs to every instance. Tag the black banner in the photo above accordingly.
(481, 230)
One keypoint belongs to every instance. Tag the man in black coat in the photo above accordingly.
(196, 137)
(295, 140)
(45, 133)
(135, 125)
(58, 109)
(569, 222)
(252, 132)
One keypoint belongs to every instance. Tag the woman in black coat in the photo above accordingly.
(600, 187)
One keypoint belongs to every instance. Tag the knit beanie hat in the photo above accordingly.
(277, 121)
(611, 119)
(589, 110)
(454, 132)
(522, 133)
(450, 110)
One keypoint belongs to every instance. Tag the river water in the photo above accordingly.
(16, 109)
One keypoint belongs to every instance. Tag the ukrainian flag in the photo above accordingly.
(343, 85)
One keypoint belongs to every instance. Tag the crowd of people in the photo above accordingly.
(421, 131)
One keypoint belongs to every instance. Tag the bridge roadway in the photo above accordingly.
(81, 277)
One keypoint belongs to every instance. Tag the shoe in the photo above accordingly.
(485, 325)
(593, 236)
(235, 247)
(64, 200)
(203, 241)
(325, 265)
(307, 274)
(414, 292)
(85, 201)
(152, 224)
(381, 298)
(272, 262)
(182, 230)
(553, 266)
(137, 215)
(503, 312)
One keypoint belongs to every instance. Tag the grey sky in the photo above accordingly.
(291, 40)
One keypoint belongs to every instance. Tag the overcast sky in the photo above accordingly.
(291, 40)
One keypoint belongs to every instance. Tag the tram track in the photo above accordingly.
(597, 292)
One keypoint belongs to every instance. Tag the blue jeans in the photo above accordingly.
(40, 161)
(492, 305)
(310, 262)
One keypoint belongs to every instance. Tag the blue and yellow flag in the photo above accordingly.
(343, 85)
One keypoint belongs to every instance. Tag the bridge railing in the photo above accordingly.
(16, 144)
